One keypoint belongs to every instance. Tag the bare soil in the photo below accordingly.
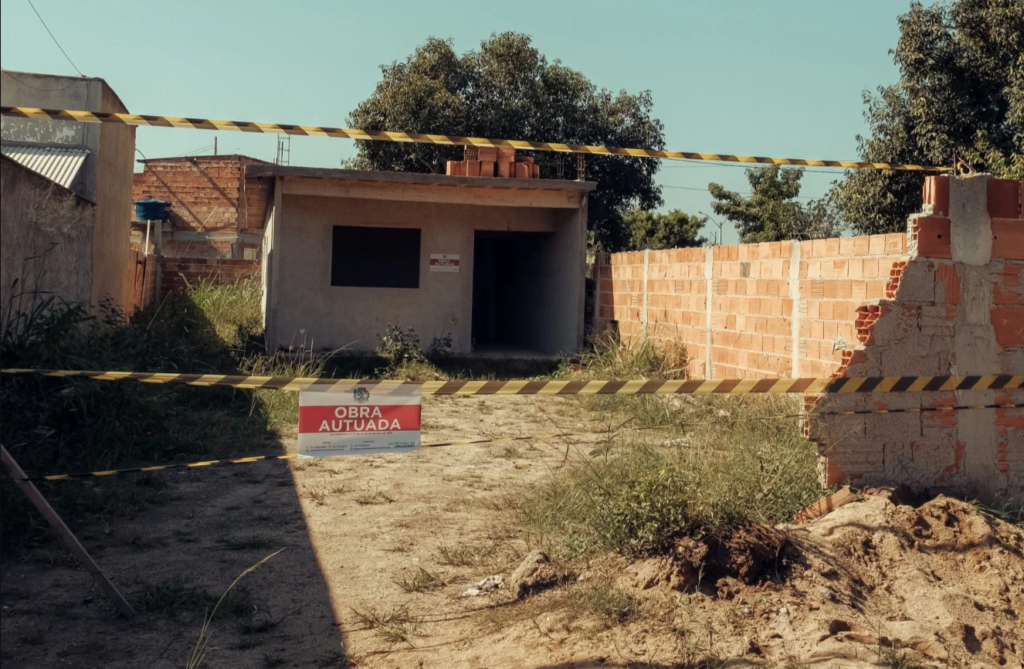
(379, 551)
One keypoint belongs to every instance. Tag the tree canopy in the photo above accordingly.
(508, 90)
(961, 92)
(672, 230)
(771, 213)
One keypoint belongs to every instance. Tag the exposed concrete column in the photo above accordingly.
(643, 313)
(709, 263)
(794, 295)
(976, 351)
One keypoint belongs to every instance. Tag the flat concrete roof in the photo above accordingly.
(417, 178)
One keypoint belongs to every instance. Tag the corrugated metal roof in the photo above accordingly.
(59, 164)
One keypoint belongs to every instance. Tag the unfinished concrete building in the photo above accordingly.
(497, 263)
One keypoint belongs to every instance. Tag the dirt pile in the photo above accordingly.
(941, 579)
(939, 584)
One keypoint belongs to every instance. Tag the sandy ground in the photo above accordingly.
(940, 580)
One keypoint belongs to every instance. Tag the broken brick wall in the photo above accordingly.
(947, 298)
(956, 308)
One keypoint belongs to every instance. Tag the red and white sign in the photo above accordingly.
(444, 262)
(359, 420)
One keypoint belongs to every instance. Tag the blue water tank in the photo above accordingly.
(152, 209)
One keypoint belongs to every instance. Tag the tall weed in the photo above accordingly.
(732, 463)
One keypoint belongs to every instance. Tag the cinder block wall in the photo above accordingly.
(947, 298)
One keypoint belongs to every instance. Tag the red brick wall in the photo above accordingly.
(180, 272)
(947, 298)
(205, 192)
(752, 289)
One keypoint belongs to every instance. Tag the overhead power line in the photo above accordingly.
(50, 33)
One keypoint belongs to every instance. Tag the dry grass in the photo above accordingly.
(393, 625)
(730, 462)
(420, 580)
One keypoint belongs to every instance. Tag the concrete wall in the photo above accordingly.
(107, 172)
(304, 305)
(46, 231)
(946, 298)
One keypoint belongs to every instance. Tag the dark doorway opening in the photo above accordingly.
(508, 286)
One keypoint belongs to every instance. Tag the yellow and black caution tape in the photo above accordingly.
(869, 384)
(420, 138)
(532, 437)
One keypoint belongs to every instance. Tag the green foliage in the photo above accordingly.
(671, 230)
(507, 89)
(771, 213)
(729, 464)
(67, 425)
(960, 93)
(399, 347)
(234, 311)
(614, 604)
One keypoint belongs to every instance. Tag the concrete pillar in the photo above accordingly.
(709, 265)
(794, 295)
(976, 352)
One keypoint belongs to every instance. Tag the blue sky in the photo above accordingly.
(781, 78)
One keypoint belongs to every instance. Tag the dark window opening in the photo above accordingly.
(375, 257)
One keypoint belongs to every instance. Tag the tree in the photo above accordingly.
(672, 230)
(508, 90)
(771, 213)
(961, 92)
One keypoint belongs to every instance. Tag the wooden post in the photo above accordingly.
(66, 535)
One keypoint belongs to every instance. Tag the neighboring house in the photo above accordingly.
(210, 206)
(84, 162)
(499, 264)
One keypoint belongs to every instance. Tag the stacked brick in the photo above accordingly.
(177, 273)
(489, 161)
(947, 298)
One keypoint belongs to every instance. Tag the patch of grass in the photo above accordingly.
(739, 466)
(612, 358)
(393, 626)
(1009, 512)
(281, 410)
(233, 310)
(615, 605)
(249, 542)
(463, 555)
(897, 658)
(420, 580)
(377, 497)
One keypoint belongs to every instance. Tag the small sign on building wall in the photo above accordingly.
(444, 262)
(360, 420)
